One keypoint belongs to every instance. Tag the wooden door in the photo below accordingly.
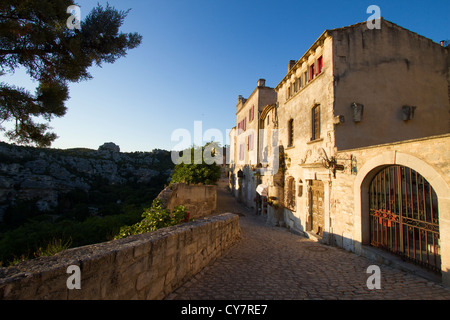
(317, 192)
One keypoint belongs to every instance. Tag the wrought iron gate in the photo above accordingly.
(404, 216)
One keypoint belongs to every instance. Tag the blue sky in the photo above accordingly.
(197, 56)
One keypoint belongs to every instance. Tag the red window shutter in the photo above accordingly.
(319, 65)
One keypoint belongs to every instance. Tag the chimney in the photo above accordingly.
(241, 100)
(291, 64)
(261, 83)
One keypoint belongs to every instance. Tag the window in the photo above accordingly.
(292, 89)
(250, 141)
(315, 117)
(290, 193)
(316, 68)
(291, 133)
(311, 71)
(319, 65)
(251, 113)
(241, 151)
(298, 84)
(305, 78)
(242, 126)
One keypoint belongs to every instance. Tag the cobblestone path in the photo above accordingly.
(271, 263)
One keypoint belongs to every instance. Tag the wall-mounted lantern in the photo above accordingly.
(358, 110)
(339, 119)
(408, 113)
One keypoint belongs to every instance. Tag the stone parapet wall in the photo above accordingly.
(200, 200)
(147, 266)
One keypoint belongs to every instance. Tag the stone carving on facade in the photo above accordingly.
(313, 156)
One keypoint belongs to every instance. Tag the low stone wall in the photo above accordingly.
(147, 266)
(199, 200)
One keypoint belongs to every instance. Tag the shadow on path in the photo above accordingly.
(271, 263)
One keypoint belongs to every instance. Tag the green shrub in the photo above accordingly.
(155, 218)
(53, 247)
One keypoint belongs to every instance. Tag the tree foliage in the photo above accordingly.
(194, 172)
(34, 35)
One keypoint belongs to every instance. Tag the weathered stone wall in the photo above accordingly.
(199, 200)
(434, 151)
(349, 201)
(148, 266)
(385, 69)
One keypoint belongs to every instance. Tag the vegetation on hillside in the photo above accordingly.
(104, 213)
(81, 218)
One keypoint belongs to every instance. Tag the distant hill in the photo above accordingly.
(28, 173)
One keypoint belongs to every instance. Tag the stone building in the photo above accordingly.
(244, 142)
(362, 121)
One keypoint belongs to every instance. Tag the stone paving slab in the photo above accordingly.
(271, 263)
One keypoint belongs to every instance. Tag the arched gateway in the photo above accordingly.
(402, 204)
(404, 218)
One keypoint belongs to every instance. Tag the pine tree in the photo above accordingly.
(34, 35)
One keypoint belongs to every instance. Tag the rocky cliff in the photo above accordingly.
(28, 173)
